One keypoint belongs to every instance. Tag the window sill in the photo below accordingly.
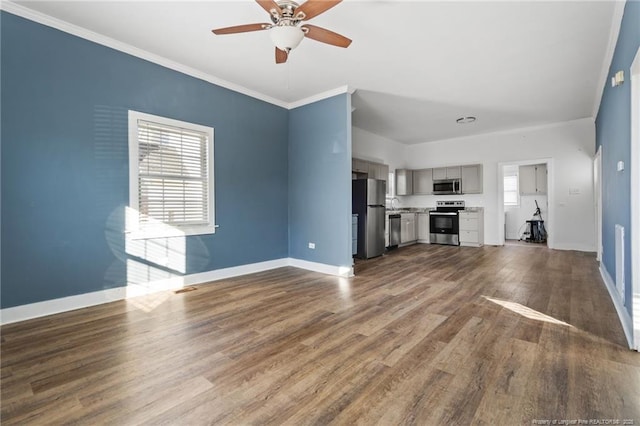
(171, 232)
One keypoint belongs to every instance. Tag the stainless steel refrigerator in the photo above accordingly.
(368, 202)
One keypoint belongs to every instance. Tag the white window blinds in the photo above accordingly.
(173, 175)
(511, 190)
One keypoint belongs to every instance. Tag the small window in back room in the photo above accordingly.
(511, 194)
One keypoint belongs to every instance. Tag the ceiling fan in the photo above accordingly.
(286, 30)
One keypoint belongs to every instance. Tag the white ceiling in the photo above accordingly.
(416, 66)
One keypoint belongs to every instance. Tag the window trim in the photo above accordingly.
(132, 227)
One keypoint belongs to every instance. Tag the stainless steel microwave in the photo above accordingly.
(446, 186)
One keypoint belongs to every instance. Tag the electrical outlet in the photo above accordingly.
(312, 246)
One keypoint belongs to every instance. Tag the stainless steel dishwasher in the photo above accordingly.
(394, 230)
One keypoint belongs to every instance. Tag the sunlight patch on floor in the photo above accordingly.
(526, 311)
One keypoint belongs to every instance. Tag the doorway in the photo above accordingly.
(523, 188)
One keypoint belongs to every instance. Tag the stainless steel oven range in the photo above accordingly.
(444, 223)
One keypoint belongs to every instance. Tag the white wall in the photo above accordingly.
(369, 146)
(570, 146)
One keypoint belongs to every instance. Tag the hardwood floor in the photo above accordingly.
(425, 335)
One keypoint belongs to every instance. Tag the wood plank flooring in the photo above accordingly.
(426, 335)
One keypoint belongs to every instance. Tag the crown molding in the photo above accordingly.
(616, 23)
(86, 34)
(320, 96)
(103, 40)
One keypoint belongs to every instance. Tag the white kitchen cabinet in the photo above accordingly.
(471, 229)
(404, 182)
(423, 182)
(423, 228)
(471, 179)
(407, 228)
(440, 173)
(532, 180)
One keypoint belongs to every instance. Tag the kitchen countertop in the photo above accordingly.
(427, 209)
(410, 210)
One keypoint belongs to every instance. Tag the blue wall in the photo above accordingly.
(613, 133)
(320, 181)
(65, 163)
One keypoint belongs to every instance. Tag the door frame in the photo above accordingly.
(551, 219)
(635, 198)
(597, 186)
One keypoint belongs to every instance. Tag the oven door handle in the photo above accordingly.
(443, 213)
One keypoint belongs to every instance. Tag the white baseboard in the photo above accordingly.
(625, 318)
(64, 304)
(576, 247)
(340, 271)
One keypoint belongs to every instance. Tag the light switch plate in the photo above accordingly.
(620, 166)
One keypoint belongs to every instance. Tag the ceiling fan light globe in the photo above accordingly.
(286, 37)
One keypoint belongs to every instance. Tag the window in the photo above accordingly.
(391, 185)
(171, 177)
(511, 194)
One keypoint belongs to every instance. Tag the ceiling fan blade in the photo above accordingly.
(325, 36)
(313, 8)
(240, 29)
(270, 5)
(281, 56)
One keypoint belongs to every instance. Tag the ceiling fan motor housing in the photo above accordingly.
(287, 9)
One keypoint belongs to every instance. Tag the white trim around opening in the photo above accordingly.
(550, 223)
(635, 198)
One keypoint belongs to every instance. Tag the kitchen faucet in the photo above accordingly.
(394, 207)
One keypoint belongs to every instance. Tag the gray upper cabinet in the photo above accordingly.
(383, 172)
(378, 171)
(471, 179)
(533, 179)
(423, 181)
(440, 173)
(373, 170)
(359, 166)
(453, 172)
(404, 182)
